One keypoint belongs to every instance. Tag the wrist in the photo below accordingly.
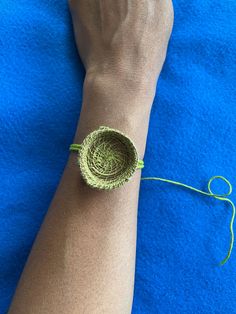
(136, 78)
(113, 100)
(120, 87)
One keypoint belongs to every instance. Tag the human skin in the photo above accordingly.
(83, 259)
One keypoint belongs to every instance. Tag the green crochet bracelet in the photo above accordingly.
(107, 158)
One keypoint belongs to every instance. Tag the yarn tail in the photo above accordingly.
(221, 197)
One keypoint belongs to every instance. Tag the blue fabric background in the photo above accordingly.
(181, 235)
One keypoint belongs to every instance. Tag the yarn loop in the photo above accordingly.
(221, 197)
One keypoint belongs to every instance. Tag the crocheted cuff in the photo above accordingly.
(107, 158)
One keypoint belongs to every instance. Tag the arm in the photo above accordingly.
(83, 259)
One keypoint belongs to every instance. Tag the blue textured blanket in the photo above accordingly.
(181, 235)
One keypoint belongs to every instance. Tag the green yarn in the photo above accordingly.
(108, 158)
(221, 197)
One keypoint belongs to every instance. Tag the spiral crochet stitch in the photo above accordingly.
(107, 158)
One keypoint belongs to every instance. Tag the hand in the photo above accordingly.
(128, 36)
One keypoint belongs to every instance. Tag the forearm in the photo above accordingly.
(84, 257)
